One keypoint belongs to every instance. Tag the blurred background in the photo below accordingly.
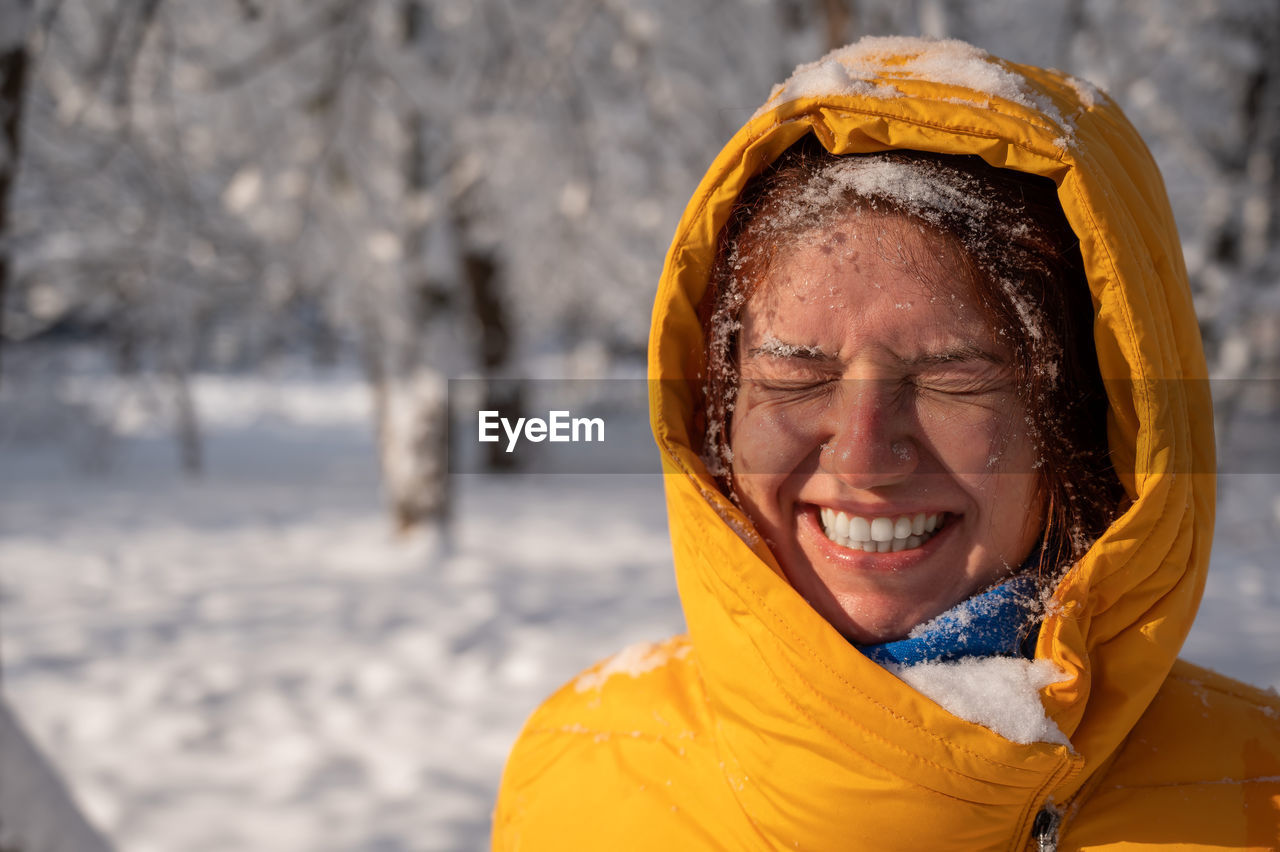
(244, 245)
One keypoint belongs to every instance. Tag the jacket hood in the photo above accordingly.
(790, 697)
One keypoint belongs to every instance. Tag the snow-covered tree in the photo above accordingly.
(472, 187)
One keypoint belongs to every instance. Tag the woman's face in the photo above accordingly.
(878, 442)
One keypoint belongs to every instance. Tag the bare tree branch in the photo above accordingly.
(281, 47)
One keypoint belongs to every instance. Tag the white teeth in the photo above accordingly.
(879, 535)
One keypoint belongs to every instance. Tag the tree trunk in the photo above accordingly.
(410, 406)
(14, 59)
(837, 17)
(187, 424)
(482, 274)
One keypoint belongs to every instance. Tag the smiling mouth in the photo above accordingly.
(880, 535)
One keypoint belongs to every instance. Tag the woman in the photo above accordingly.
(937, 442)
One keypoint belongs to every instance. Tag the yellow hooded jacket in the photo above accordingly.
(763, 728)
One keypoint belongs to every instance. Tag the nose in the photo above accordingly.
(871, 441)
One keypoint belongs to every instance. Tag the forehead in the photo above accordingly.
(866, 261)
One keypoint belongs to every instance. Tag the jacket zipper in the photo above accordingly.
(1044, 831)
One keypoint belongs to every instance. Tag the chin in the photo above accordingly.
(889, 629)
(863, 619)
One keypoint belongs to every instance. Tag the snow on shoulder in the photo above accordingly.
(866, 67)
(999, 693)
(633, 661)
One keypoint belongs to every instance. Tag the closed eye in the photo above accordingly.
(961, 371)
(982, 379)
(780, 385)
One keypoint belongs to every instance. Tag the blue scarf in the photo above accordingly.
(994, 623)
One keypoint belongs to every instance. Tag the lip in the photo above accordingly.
(809, 526)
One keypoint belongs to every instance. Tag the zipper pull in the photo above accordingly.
(1045, 829)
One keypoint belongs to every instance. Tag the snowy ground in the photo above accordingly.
(254, 661)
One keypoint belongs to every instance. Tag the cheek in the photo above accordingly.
(768, 438)
(1016, 512)
(995, 464)
(976, 440)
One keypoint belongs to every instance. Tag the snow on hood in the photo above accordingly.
(869, 66)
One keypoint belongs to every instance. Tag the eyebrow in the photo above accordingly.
(956, 354)
(774, 348)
